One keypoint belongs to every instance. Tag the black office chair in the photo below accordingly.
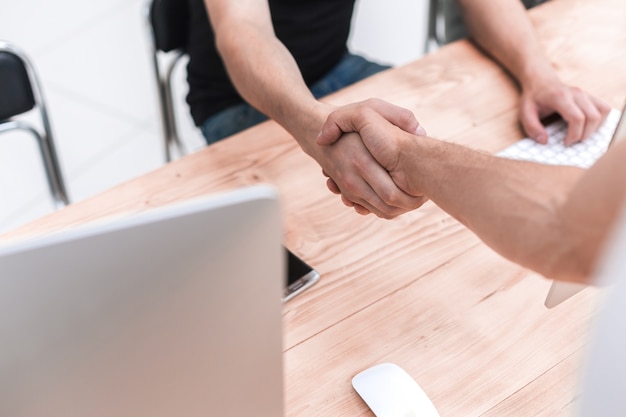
(20, 92)
(167, 22)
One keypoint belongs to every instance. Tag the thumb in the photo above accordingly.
(353, 117)
(532, 124)
(331, 131)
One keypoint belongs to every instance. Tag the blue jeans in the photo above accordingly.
(350, 69)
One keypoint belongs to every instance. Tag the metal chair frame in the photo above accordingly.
(163, 75)
(44, 139)
(433, 35)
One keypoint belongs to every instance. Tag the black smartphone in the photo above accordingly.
(300, 276)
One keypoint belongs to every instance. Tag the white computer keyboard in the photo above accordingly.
(582, 154)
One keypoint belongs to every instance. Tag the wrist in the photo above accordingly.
(308, 124)
(417, 159)
(534, 76)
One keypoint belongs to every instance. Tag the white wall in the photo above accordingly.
(390, 31)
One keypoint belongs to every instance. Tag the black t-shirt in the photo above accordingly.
(314, 31)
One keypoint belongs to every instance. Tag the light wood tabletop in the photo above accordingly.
(420, 290)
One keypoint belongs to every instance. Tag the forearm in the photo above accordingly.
(515, 207)
(267, 77)
(262, 69)
(503, 30)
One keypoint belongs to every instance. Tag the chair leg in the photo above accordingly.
(173, 138)
(163, 106)
(165, 121)
(55, 178)
(50, 158)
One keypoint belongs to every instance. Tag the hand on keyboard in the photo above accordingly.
(555, 152)
(583, 112)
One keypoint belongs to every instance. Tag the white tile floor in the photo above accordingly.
(92, 60)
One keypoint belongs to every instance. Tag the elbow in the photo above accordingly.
(567, 252)
(571, 271)
(225, 42)
(230, 36)
(574, 264)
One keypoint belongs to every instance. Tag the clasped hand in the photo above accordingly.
(375, 152)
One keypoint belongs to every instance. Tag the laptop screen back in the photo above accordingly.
(173, 312)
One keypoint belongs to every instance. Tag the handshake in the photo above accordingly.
(388, 179)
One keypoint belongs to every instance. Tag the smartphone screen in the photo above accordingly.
(300, 276)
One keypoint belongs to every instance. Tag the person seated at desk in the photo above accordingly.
(249, 59)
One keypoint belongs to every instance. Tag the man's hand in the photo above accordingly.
(504, 30)
(360, 179)
(381, 127)
(583, 112)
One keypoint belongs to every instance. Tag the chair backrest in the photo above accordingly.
(169, 20)
(16, 96)
(20, 92)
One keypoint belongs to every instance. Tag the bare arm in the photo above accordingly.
(267, 76)
(551, 219)
(260, 66)
(502, 28)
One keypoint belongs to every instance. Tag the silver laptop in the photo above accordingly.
(172, 312)
(561, 290)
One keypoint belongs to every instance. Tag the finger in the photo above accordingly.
(332, 129)
(379, 193)
(603, 108)
(575, 119)
(398, 116)
(367, 200)
(418, 202)
(357, 191)
(361, 210)
(354, 117)
(346, 201)
(593, 117)
(531, 123)
(332, 186)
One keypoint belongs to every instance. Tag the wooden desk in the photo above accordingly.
(420, 290)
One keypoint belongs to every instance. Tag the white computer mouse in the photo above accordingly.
(389, 391)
